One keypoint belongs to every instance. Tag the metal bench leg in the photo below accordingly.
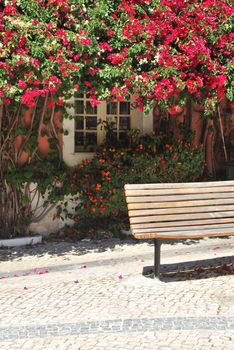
(157, 246)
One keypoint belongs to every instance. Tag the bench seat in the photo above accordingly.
(180, 211)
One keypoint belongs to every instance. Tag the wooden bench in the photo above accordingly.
(180, 211)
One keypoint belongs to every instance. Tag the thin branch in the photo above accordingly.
(43, 213)
(40, 125)
(8, 134)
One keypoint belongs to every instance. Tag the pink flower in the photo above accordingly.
(55, 79)
(76, 57)
(175, 109)
(116, 58)
(60, 101)
(22, 84)
(105, 47)
(85, 41)
(35, 22)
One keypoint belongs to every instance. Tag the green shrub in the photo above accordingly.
(100, 182)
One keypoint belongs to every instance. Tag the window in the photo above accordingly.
(86, 124)
(87, 127)
(92, 123)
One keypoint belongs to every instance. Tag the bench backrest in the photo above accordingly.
(181, 210)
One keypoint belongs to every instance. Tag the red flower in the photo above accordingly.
(105, 47)
(116, 58)
(85, 41)
(175, 109)
(22, 84)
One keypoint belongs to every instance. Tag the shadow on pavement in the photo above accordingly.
(63, 247)
(193, 270)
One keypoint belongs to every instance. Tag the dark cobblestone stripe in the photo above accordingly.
(116, 326)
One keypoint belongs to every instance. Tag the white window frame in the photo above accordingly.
(72, 158)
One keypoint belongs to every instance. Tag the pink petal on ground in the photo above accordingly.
(120, 277)
(228, 267)
(43, 271)
(198, 268)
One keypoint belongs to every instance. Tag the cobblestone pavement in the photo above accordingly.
(93, 296)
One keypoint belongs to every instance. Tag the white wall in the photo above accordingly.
(48, 224)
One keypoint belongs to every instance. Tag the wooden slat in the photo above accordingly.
(179, 185)
(183, 228)
(205, 209)
(175, 235)
(132, 206)
(181, 210)
(182, 191)
(181, 223)
(179, 197)
(180, 217)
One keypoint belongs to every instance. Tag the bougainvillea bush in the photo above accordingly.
(97, 185)
(153, 49)
(168, 50)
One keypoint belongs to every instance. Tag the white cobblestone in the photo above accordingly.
(81, 288)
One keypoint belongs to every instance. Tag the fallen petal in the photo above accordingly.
(228, 267)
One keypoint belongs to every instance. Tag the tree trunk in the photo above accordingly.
(21, 136)
(216, 134)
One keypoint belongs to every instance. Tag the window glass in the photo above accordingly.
(79, 123)
(124, 108)
(112, 108)
(91, 123)
(79, 107)
(117, 116)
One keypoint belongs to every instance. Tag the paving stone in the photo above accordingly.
(101, 311)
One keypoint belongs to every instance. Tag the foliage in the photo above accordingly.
(97, 185)
(95, 228)
(163, 50)
(156, 49)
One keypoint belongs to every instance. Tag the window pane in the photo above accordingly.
(79, 139)
(123, 138)
(124, 123)
(79, 123)
(79, 107)
(91, 139)
(78, 95)
(90, 109)
(124, 108)
(91, 123)
(112, 108)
